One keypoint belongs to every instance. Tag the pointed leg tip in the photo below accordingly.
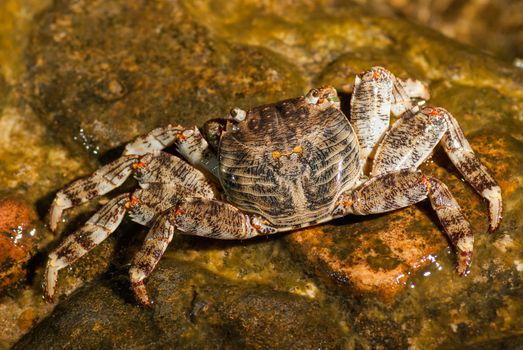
(464, 263)
(493, 195)
(55, 215)
(494, 225)
(141, 295)
(495, 217)
(49, 298)
(49, 293)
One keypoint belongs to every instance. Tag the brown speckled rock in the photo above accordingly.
(371, 256)
(193, 310)
(147, 65)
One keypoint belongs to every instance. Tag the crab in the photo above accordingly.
(282, 166)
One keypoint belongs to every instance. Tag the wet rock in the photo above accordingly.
(193, 309)
(19, 314)
(19, 238)
(371, 256)
(157, 66)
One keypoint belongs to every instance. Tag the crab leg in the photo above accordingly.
(155, 140)
(95, 230)
(194, 216)
(189, 143)
(155, 244)
(165, 168)
(376, 93)
(158, 167)
(412, 139)
(100, 182)
(403, 188)
(165, 179)
(462, 156)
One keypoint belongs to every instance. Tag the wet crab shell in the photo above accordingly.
(289, 161)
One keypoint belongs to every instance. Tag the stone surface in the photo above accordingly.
(158, 65)
(491, 25)
(100, 73)
(193, 310)
(371, 256)
(19, 238)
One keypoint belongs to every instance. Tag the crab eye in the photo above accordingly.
(237, 114)
(313, 96)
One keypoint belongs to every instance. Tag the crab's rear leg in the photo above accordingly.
(412, 139)
(193, 216)
(76, 245)
(403, 188)
(469, 165)
(376, 94)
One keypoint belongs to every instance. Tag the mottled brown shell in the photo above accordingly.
(289, 161)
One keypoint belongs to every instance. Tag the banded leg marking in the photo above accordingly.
(158, 167)
(100, 182)
(156, 242)
(468, 164)
(215, 219)
(370, 107)
(154, 140)
(76, 245)
(376, 94)
(165, 168)
(194, 216)
(410, 141)
(401, 189)
(189, 142)
(197, 151)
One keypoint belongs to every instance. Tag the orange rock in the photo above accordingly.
(18, 237)
(375, 255)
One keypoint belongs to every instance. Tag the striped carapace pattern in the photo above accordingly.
(289, 161)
